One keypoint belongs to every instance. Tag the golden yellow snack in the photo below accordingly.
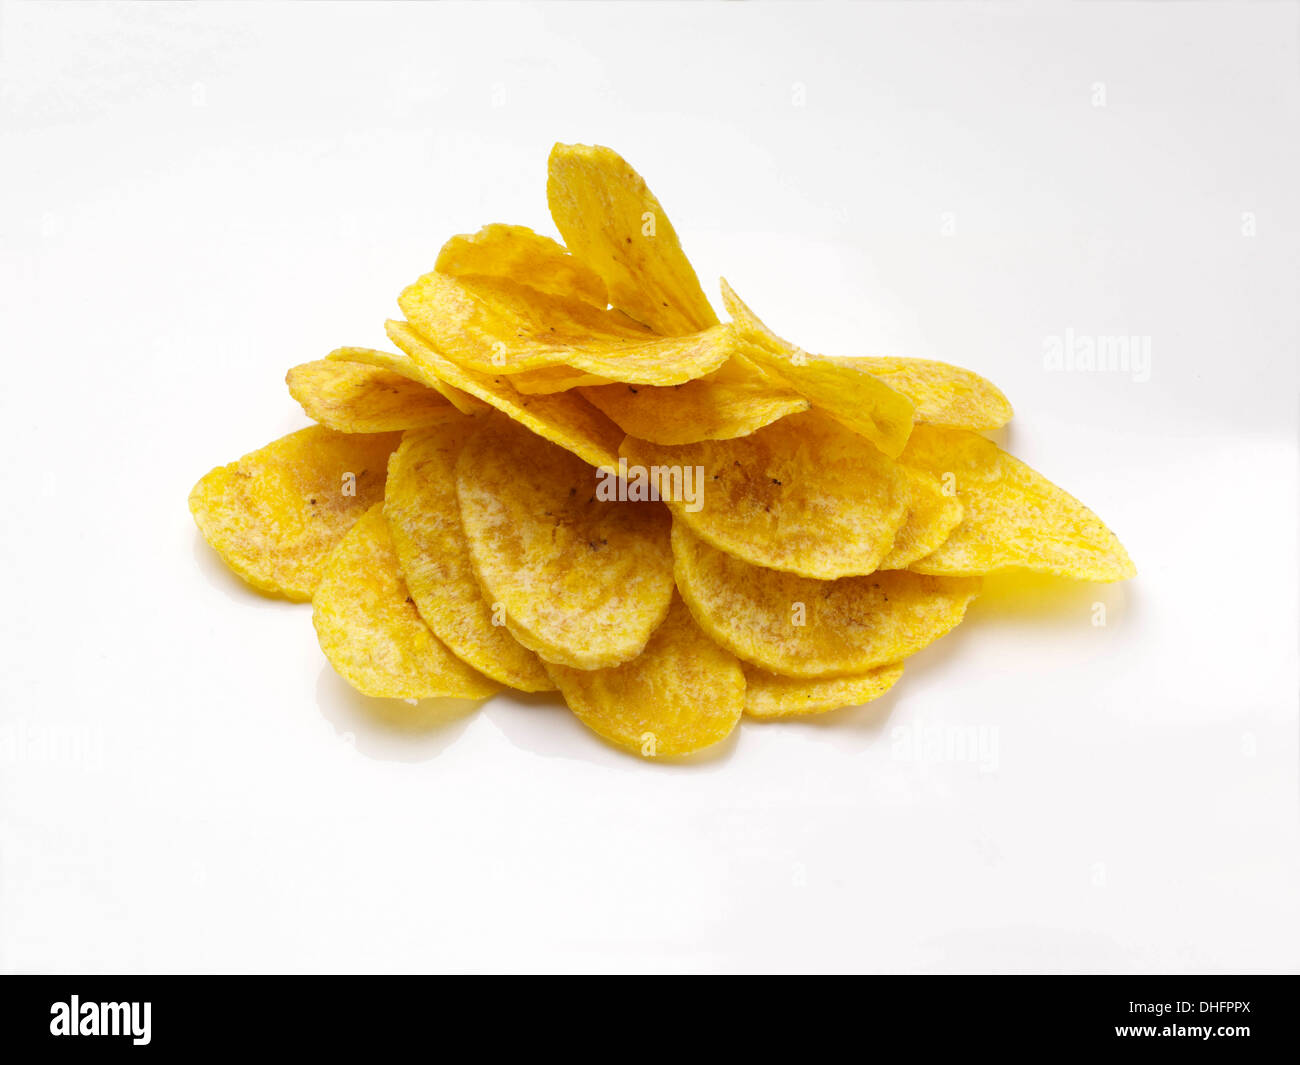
(863, 403)
(1014, 516)
(770, 695)
(734, 400)
(424, 521)
(370, 630)
(681, 694)
(579, 578)
(547, 379)
(275, 515)
(931, 518)
(518, 254)
(404, 365)
(804, 495)
(800, 627)
(564, 418)
(611, 221)
(353, 397)
(941, 394)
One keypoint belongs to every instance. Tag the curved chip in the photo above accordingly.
(804, 495)
(863, 403)
(610, 220)
(276, 514)
(800, 627)
(518, 254)
(734, 400)
(770, 695)
(581, 578)
(424, 520)
(941, 394)
(370, 630)
(564, 418)
(548, 379)
(355, 398)
(1015, 517)
(931, 518)
(681, 694)
(404, 365)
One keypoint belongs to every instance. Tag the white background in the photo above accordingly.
(195, 198)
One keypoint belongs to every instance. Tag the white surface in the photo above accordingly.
(195, 198)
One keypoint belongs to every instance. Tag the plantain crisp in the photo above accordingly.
(800, 627)
(1015, 517)
(681, 694)
(931, 517)
(275, 515)
(863, 403)
(353, 397)
(370, 630)
(804, 495)
(564, 418)
(611, 221)
(941, 394)
(424, 521)
(580, 578)
(734, 400)
(518, 254)
(770, 695)
(404, 365)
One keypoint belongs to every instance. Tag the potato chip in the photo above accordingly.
(518, 254)
(940, 393)
(863, 403)
(276, 514)
(800, 627)
(564, 418)
(931, 518)
(734, 400)
(424, 520)
(495, 326)
(804, 495)
(404, 365)
(610, 220)
(770, 695)
(1015, 517)
(681, 694)
(370, 630)
(581, 578)
(548, 379)
(355, 398)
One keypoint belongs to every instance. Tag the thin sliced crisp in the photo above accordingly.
(424, 520)
(275, 515)
(800, 627)
(770, 695)
(370, 630)
(942, 394)
(863, 403)
(1015, 517)
(406, 366)
(735, 400)
(931, 518)
(564, 418)
(804, 495)
(681, 694)
(611, 221)
(580, 578)
(353, 397)
(550, 379)
(518, 254)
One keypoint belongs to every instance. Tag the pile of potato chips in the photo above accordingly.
(570, 475)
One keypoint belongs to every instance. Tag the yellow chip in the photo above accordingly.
(770, 695)
(610, 220)
(1015, 517)
(681, 694)
(355, 398)
(581, 578)
(424, 520)
(518, 254)
(406, 366)
(800, 627)
(564, 418)
(734, 400)
(863, 403)
(940, 393)
(550, 379)
(931, 518)
(276, 514)
(804, 495)
(370, 630)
